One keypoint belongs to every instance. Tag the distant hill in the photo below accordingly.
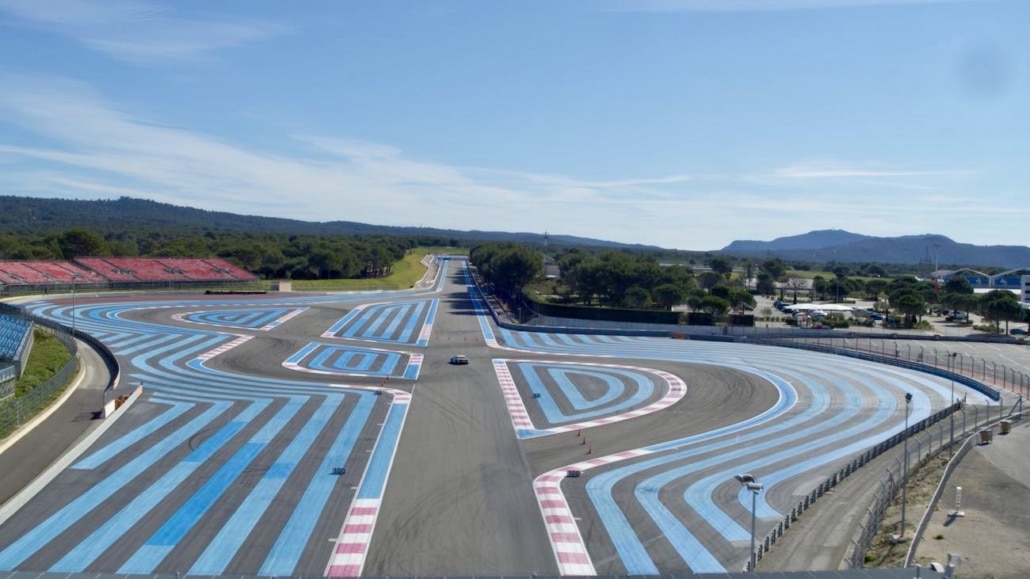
(32, 215)
(810, 240)
(846, 247)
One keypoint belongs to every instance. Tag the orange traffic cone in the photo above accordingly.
(584, 441)
(590, 450)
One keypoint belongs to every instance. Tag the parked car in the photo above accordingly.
(817, 314)
(1018, 331)
(459, 360)
(876, 316)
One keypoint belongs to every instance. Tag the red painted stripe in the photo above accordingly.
(573, 558)
(350, 548)
(345, 571)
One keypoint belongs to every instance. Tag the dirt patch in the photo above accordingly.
(888, 549)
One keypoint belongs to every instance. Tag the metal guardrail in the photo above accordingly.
(885, 359)
(847, 470)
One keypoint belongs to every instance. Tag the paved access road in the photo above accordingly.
(227, 464)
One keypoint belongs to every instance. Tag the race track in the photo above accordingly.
(329, 435)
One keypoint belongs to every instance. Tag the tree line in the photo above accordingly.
(272, 256)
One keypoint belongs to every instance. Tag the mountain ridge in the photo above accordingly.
(34, 214)
(847, 247)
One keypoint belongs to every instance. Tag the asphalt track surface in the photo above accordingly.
(226, 465)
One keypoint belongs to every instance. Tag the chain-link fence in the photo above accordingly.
(16, 411)
(927, 356)
(923, 448)
(847, 470)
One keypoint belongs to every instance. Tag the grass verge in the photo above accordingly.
(47, 357)
(406, 272)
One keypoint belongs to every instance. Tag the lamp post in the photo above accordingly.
(749, 482)
(904, 478)
(951, 448)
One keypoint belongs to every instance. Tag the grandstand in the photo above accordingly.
(65, 272)
(15, 340)
(96, 273)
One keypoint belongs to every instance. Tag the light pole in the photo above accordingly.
(951, 448)
(73, 306)
(904, 478)
(755, 487)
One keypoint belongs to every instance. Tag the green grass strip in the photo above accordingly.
(47, 357)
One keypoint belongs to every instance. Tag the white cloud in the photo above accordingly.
(85, 147)
(136, 30)
(840, 171)
(758, 5)
(99, 150)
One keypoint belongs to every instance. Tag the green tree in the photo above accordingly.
(668, 295)
(740, 299)
(765, 284)
(775, 269)
(875, 287)
(721, 265)
(637, 297)
(713, 305)
(1000, 305)
(81, 243)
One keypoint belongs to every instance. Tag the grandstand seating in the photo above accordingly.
(23, 273)
(98, 270)
(196, 269)
(106, 269)
(237, 272)
(144, 269)
(65, 272)
(13, 332)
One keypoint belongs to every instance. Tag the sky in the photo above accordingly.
(684, 124)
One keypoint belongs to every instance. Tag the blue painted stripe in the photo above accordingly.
(612, 393)
(412, 320)
(423, 341)
(631, 550)
(412, 370)
(303, 353)
(76, 560)
(382, 314)
(374, 483)
(125, 441)
(399, 315)
(146, 559)
(284, 555)
(223, 548)
(25, 546)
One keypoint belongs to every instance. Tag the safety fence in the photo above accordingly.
(939, 361)
(17, 411)
(896, 475)
(1018, 384)
(836, 478)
